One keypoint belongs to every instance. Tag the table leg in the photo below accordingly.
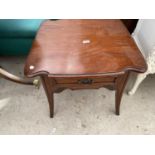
(120, 85)
(49, 93)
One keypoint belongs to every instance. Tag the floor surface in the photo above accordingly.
(24, 109)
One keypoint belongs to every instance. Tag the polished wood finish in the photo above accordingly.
(119, 87)
(83, 54)
(49, 90)
(77, 80)
(58, 49)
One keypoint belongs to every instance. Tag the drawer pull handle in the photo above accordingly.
(85, 81)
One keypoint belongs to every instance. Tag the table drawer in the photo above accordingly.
(84, 80)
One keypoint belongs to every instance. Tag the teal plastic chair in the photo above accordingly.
(17, 35)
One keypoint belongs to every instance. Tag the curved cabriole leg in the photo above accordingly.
(49, 93)
(119, 86)
(138, 81)
(6, 75)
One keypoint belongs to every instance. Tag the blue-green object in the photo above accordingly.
(17, 35)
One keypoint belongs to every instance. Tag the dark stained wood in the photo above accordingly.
(77, 80)
(63, 61)
(48, 87)
(119, 86)
(58, 49)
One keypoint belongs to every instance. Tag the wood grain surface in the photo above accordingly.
(83, 47)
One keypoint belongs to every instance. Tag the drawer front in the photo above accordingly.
(84, 80)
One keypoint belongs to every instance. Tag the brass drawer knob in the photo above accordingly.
(86, 81)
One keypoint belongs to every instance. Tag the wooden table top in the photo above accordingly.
(83, 47)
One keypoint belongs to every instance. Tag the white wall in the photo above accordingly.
(144, 35)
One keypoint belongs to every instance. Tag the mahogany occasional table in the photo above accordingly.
(83, 54)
